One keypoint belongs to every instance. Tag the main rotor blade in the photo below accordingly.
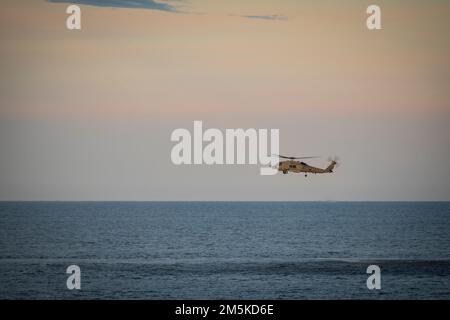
(294, 158)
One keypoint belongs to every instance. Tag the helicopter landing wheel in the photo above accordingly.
(284, 171)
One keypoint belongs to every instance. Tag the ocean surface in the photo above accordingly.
(225, 250)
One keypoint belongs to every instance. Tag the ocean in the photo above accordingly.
(225, 250)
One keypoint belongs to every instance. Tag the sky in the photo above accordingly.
(87, 114)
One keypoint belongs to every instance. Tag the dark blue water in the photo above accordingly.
(224, 250)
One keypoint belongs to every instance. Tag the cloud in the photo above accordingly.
(266, 17)
(142, 4)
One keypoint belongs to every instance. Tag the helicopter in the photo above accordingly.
(292, 165)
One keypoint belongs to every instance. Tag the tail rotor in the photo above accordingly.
(334, 159)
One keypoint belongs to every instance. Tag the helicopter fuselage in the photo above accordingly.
(299, 166)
